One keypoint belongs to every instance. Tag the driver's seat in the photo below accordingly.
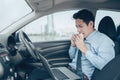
(112, 70)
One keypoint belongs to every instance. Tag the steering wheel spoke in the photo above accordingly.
(28, 44)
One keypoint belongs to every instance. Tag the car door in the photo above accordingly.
(56, 52)
(51, 36)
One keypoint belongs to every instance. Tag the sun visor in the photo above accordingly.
(40, 5)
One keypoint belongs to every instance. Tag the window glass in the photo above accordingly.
(57, 26)
(61, 25)
(11, 11)
(102, 13)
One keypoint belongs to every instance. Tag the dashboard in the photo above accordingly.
(11, 45)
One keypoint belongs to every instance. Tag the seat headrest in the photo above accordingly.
(107, 27)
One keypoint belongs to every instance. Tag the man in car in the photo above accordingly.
(96, 48)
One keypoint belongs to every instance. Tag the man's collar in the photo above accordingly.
(91, 35)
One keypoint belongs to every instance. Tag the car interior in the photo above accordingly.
(19, 55)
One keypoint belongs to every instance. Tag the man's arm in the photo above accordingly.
(105, 54)
(72, 52)
(73, 49)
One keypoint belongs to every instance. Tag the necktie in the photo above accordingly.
(78, 65)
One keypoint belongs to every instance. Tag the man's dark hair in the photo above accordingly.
(85, 15)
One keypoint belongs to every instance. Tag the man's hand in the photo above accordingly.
(79, 41)
(73, 41)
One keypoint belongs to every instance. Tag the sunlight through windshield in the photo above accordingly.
(11, 11)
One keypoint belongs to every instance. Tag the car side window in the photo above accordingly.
(102, 13)
(57, 26)
(61, 25)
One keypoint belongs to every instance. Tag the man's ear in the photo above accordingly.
(91, 24)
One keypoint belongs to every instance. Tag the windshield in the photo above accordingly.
(11, 11)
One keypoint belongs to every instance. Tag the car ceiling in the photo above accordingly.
(58, 5)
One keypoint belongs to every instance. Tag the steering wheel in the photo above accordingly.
(24, 39)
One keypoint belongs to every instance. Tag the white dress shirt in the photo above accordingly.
(100, 52)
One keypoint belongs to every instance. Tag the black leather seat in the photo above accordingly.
(118, 39)
(107, 27)
(118, 34)
(112, 70)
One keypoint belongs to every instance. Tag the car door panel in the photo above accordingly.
(56, 52)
